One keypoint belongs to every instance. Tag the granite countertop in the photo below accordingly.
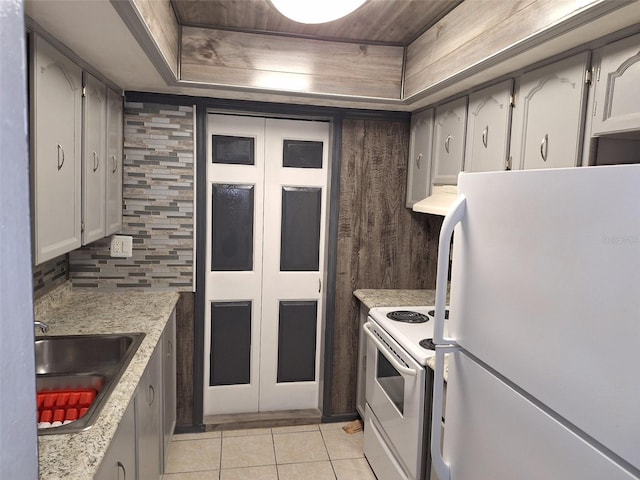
(395, 298)
(401, 298)
(69, 311)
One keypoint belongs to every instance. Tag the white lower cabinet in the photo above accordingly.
(119, 462)
(139, 448)
(148, 427)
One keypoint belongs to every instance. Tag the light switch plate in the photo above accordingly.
(121, 246)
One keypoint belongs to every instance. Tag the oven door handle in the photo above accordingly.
(381, 347)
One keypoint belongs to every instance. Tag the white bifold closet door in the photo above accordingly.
(266, 226)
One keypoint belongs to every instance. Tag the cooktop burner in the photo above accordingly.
(432, 313)
(407, 316)
(427, 343)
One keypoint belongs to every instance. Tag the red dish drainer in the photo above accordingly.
(64, 405)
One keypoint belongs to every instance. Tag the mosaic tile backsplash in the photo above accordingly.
(48, 275)
(158, 206)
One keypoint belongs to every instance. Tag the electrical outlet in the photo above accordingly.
(121, 246)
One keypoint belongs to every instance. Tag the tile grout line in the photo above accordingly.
(335, 475)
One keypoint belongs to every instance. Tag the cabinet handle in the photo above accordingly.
(96, 162)
(115, 164)
(544, 147)
(151, 395)
(418, 160)
(446, 143)
(319, 285)
(485, 136)
(60, 157)
(170, 348)
(124, 471)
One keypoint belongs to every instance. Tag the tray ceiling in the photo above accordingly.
(392, 22)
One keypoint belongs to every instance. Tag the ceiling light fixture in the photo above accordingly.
(318, 11)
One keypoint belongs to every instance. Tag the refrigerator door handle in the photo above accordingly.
(454, 216)
(439, 465)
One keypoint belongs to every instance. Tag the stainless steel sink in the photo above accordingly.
(83, 361)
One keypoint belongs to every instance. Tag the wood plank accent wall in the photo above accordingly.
(381, 244)
(161, 22)
(185, 345)
(475, 31)
(270, 62)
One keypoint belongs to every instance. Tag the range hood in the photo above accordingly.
(438, 203)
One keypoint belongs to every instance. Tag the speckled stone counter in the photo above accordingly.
(68, 311)
(395, 298)
(400, 298)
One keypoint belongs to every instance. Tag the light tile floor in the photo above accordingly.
(309, 452)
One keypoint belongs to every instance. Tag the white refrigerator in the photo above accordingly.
(544, 327)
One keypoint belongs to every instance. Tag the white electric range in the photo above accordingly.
(398, 391)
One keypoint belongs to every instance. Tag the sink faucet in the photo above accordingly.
(44, 328)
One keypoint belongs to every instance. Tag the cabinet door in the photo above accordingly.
(119, 462)
(169, 385)
(448, 141)
(617, 95)
(549, 115)
(114, 163)
(148, 427)
(488, 123)
(419, 166)
(93, 159)
(56, 145)
(362, 362)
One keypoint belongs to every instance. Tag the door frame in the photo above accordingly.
(203, 108)
(335, 115)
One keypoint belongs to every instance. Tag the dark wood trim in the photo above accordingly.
(201, 245)
(188, 429)
(339, 417)
(332, 261)
(185, 322)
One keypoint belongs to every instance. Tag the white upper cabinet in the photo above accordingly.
(94, 127)
(56, 106)
(617, 94)
(448, 141)
(419, 167)
(488, 123)
(114, 163)
(548, 117)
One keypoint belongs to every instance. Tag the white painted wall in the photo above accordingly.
(18, 433)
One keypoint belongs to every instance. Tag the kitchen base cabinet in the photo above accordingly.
(148, 426)
(362, 361)
(119, 462)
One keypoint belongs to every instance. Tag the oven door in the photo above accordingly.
(395, 392)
